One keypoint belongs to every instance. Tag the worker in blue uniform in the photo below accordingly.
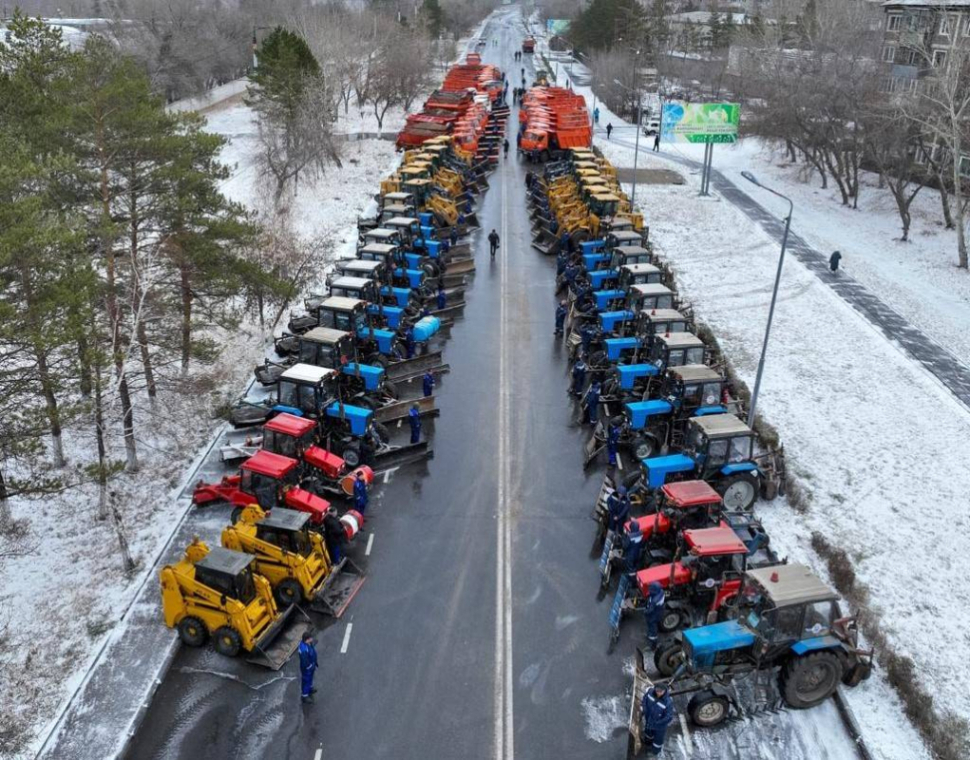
(658, 712)
(414, 420)
(427, 383)
(308, 666)
(360, 493)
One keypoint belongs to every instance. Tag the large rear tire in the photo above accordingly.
(288, 592)
(351, 455)
(672, 620)
(668, 658)
(236, 514)
(707, 709)
(192, 632)
(391, 390)
(382, 432)
(739, 491)
(811, 679)
(227, 641)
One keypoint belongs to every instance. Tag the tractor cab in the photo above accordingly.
(695, 389)
(336, 350)
(639, 274)
(408, 227)
(418, 189)
(355, 287)
(683, 505)
(655, 296)
(676, 350)
(305, 390)
(267, 477)
(286, 529)
(396, 204)
(403, 270)
(383, 236)
(371, 269)
(352, 315)
(604, 204)
(288, 436)
(623, 239)
(229, 573)
(628, 255)
(660, 321)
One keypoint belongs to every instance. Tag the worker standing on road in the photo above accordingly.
(560, 317)
(334, 535)
(414, 420)
(308, 666)
(632, 547)
(579, 376)
(609, 130)
(442, 300)
(592, 402)
(409, 342)
(427, 383)
(613, 439)
(505, 146)
(653, 611)
(360, 493)
(834, 261)
(617, 509)
(493, 242)
(658, 712)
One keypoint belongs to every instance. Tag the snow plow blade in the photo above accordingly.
(268, 373)
(465, 266)
(453, 283)
(416, 367)
(339, 589)
(399, 409)
(281, 639)
(641, 682)
(591, 450)
(248, 415)
(450, 312)
(396, 456)
(544, 248)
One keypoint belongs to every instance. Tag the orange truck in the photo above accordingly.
(552, 121)
(529, 45)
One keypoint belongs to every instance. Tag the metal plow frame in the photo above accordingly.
(398, 456)
(339, 589)
(399, 410)
(283, 637)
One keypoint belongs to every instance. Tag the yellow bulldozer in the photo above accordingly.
(218, 595)
(294, 559)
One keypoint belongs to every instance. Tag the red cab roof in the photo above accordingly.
(691, 493)
(712, 542)
(290, 424)
(269, 464)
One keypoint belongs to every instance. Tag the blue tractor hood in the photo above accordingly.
(616, 346)
(384, 338)
(706, 641)
(433, 247)
(658, 468)
(604, 298)
(630, 372)
(592, 260)
(401, 296)
(391, 313)
(371, 375)
(591, 246)
(610, 319)
(598, 278)
(641, 411)
(357, 416)
(426, 218)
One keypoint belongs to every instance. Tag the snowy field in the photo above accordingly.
(869, 434)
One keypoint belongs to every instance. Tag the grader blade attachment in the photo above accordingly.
(460, 267)
(280, 639)
(408, 369)
(399, 410)
(396, 456)
(339, 589)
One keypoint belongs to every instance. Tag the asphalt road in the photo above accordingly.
(477, 633)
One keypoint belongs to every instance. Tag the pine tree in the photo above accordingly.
(434, 17)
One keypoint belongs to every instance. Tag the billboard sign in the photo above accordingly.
(557, 25)
(700, 122)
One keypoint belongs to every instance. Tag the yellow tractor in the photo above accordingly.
(217, 594)
(294, 559)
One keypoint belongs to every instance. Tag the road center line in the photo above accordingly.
(346, 643)
(370, 545)
(318, 755)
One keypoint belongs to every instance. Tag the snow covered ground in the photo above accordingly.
(876, 441)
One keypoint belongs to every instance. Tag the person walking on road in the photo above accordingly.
(834, 261)
(609, 130)
(505, 146)
(656, 143)
(427, 383)
(560, 317)
(334, 535)
(360, 493)
(308, 666)
(493, 242)
(414, 420)
(579, 376)
(596, 115)
(653, 611)
(658, 712)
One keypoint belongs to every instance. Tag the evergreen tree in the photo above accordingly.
(434, 17)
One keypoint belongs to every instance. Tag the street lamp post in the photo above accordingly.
(774, 293)
(636, 145)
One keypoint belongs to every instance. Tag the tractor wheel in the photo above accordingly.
(668, 658)
(391, 390)
(227, 641)
(707, 709)
(288, 592)
(811, 679)
(192, 632)
(378, 360)
(598, 358)
(382, 432)
(739, 491)
(236, 514)
(364, 402)
(644, 448)
(351, 455)
(672, 620)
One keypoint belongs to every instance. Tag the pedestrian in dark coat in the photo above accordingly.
(656, 143)
(442, 300)
(579, 376)
(360, 493)
(834, 261)
(453, 235)
(308, 666)
(571, 273)
(618, 509)
(414, 420)
(613, 439)
(609, 130)
(560, 317)
(334, 535)
(493, 241)
(653, 611)
(658, 712)
(427, 383)
(409, 342)
(632, 547)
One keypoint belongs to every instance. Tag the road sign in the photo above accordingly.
(700, 122)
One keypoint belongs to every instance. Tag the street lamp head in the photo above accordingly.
(751, 178)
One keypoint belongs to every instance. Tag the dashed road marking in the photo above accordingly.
(346, 643)
(370, 545)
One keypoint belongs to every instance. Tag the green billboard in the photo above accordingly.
(700, 122)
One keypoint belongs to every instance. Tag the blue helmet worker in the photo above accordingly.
(658, 712)
(427, 383)
(360, 493)
(409, 342)
(592, 401)
(586, 333)
(571, 272)
(442, 298)
(560, 317)
(653, 611)
(632, 547)
(579, 376)
(618, 509)
(308, 666)
(414, 420)
(613, 439)
(453, 235)
(561, 261)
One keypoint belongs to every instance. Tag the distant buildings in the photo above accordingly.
(918, 37)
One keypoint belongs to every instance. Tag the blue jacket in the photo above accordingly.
(414, 419)
(360, 493)
(427, 383)
(632, 549)
(656, 599)
(560, 315)
(409, 335)
(308, 657)
(657, 711)
(619, 509)
(613, 436)
(579, 370)
(442, 299)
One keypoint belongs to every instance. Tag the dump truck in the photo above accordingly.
(218, 595)
(554, 120)
(529, 45)
(294, 559)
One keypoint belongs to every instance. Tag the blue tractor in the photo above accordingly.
(789, 645)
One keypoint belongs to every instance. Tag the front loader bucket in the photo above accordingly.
(395, 456)
(451, 311)
(460, 267)
(398, 410)
(409, 368)
(471, 220)
(280, 639)
(339, 589)
(248, 415)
